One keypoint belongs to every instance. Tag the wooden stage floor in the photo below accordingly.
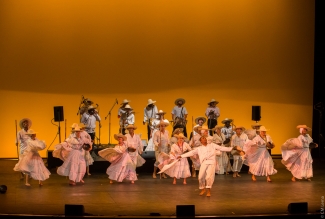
(230, 197)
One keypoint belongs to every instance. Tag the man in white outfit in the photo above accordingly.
(239, 139)
(149, 115)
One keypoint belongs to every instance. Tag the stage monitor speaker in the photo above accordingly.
(74, 210)
(58, 114)
(185, 210)
(256, 113)
(298, 208)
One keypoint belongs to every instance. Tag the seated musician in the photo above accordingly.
(179, 115)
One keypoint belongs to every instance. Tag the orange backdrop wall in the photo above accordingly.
(241, 53)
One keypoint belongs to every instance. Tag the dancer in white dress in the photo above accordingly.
(31, 163)
(296, 154)
(135, 146)
(206, 153)
(122, 166)
(72, 152)
(222, 159)
(181, 169)
(257, 157)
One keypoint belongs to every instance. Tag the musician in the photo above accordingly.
(159, 116)
(257, 157)
(239, 139)
(212, 113)
(162, 144)
(89, 120)
(199, 122)
(179, 115)
(127, 118)
(150, 112)
(121, 110)
(222, 158)
(84, 108)
(298, 159)
(227, 131)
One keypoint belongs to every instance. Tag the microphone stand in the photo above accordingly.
(109, 123)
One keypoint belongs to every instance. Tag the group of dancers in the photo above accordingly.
(208, 148)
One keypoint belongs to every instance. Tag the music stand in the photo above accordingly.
(109, 122)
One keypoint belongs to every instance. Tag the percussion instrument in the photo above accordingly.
(180, 121)
(270, 145)
(86, 147)
(312, 145)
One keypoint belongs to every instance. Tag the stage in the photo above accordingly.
(148, 197)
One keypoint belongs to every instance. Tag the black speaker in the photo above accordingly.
(74, 210)
(58, 114)
(298, 208)
(256, 113)
(185, 210)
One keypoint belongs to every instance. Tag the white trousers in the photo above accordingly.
(206, 175)
(238, 163)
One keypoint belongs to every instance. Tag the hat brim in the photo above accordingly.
(200, 118)
(214, 102)
(131, 127)
(180, 99)
(24, 119)
(117, 136)
(304, 127)
(151, 103)
(228, 120)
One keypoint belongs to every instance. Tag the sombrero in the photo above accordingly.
(304, 127)
(180, 99)
(217, 127)
(199, 128)
(160, 112)
(130, 126)
(31, 132)
(164, 122)
(150, 101)
(24, 119)
(120, 135)
(180, 136)
(262, 129)
(240, 127)
(178, 130)
(213, 101)
(125, 101)
(200, 118)
(226, 120)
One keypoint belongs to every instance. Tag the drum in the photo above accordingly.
(179, 121)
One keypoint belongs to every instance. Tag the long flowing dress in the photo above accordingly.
(222, 157)
(181, 169)
(73, 155)
(122, 166)
(296, 156)
(258, 158)
(134, 142)
(31, 162)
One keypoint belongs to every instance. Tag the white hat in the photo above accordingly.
(200, 118)
(199, 128)
(179, 99)
(77, 129)
(160, 112)
(130, 126)
(120, 135)
(304, 127)
(127, 106)
(262, 129)
(150, 101)
(213, 101)
(163, 122)
(226, 120)
(125, 101)
(25, 119)
(240, 127)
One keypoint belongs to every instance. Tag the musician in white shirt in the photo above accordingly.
(212, 113)
(89, 119)
(149, 115)
(127, 118)
(199, 122)
(227, 130)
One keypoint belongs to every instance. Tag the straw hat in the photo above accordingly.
(178, 130)
(74, 125)
(150, 101)
(24, 119)
(120, 135)
(91, 107)
(82, 126)
(130, 126)
(31, 132)
(164, 122)
(77, 129)
(125, 101)
(217, 127)
(256, 125)
(88, 100)
(262, 129)
(179, 99)
(304, 127)
(180, 136)
(226, 120)
(200, 118)
(127, 106)
(240, 127)
(213, 101)
(160, 112)
(199, 128)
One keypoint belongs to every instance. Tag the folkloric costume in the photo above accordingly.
(240, 142)
(135, 147)
(197, 124)
(212, 113)
(149, 115)
(31, 162)
(154, 123)
(179, 115)
(22, 136)
(296, 155)
(122, 166)
(222, 158)
(257, 157)
(227, 131)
